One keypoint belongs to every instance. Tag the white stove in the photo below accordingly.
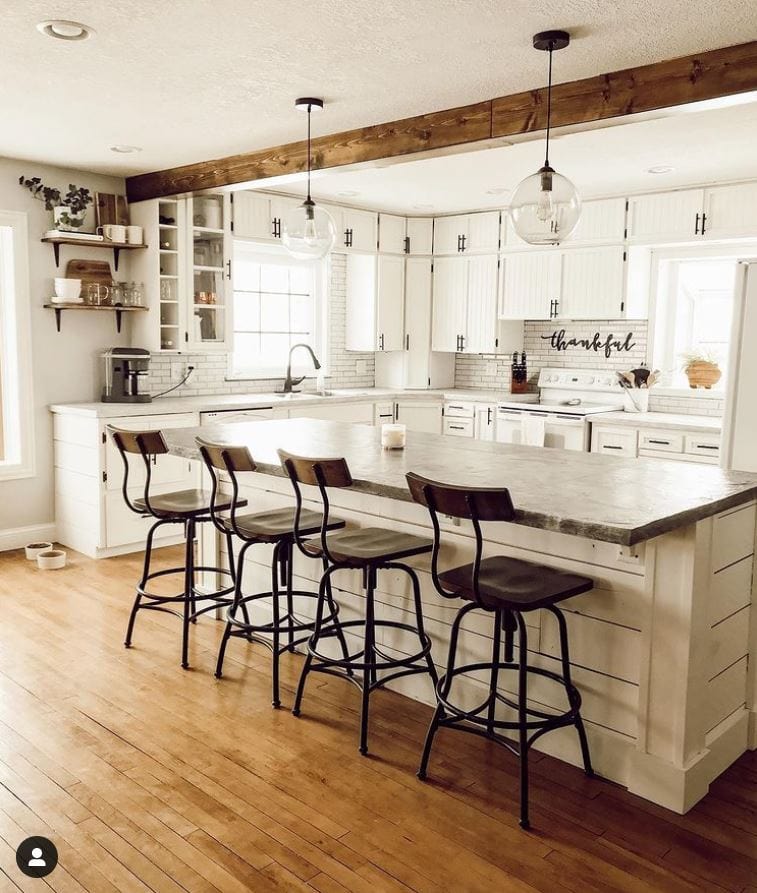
(566, 398)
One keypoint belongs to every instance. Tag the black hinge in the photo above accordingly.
(105, 439)
(105, 476)
(496, 342)
(625, 255)
(622, 306)
(625, 228)
(232, 226)
(186, 336)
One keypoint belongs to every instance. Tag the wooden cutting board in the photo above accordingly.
(89, 271)
(111, 209)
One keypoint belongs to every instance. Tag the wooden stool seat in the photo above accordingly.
(272, 525)
(179, 504)
(514, 584)
(369, 545)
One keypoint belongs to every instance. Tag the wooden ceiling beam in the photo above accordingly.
(701, 76)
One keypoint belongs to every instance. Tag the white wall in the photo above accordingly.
(64, 365)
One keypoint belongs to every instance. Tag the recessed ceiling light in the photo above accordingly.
(348, 193)
(62, 29)
(660, 169)
(125, 150)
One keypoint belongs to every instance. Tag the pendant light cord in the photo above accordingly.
(549, 105)
(310, 109)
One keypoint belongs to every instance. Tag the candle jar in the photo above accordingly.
(393, 437)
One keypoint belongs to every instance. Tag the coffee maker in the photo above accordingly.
(125, 371)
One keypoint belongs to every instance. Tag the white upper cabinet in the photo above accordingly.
(450, 296)
(666, 216)
(420, 235)
(593, 283)
(392, 234)
(358, 230)
(730, 211)
(251, 216)
(467, 234)
(375, 302)
(602, 221)
(530, 284)
(390, 303)
(480, 334)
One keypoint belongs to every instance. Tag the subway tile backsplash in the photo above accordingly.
(347, 369)
(492, 372)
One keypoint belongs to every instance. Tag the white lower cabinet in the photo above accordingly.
(358, 413)
(419, 415)
(484, 422)
(655, 442)
(90, 513)
(458, 427)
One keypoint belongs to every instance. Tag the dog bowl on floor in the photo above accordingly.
(34, 549)
(51, 560)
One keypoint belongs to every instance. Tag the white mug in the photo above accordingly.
(134, 235)
(113, 232)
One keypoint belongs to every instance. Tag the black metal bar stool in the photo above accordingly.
(274, 527)
(368, 549)
(186, 507)
(507, 588)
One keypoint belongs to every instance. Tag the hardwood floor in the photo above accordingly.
(148, 777)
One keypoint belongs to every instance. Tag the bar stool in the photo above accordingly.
(274, 527)
(507, 588)
(186, 507)
(368, 549)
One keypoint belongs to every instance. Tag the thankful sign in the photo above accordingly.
(607, 345)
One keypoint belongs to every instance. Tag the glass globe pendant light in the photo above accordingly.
(308, 232)
(545, 207)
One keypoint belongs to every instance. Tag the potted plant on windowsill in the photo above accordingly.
(69, 211)
(701, 368)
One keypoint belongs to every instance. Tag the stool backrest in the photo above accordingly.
(475, 504)
(234, 460)
(320, 473)
(148, 445)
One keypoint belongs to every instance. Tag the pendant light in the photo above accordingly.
(545, 207)
(308, 232)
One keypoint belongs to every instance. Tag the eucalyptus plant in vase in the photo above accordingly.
(69, 210)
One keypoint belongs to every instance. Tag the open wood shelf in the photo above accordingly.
(116, 247)
(118, 309)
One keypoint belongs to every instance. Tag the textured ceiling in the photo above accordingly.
(701, 147)
(190, 80)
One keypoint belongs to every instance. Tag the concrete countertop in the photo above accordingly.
(219, 402)
(697, 423)
(624, 501)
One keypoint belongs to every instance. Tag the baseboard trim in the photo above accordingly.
(18, 537)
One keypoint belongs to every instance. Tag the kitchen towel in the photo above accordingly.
(532, 430)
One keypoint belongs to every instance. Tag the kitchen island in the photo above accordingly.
(659, 647)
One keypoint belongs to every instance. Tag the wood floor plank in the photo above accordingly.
(151, 778)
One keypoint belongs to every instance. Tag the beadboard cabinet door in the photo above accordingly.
(450, 295)
(593, 283)
(530, 285)
(417, 321)
(251, 216)
(448, 232)
(731, 211)
(666, 216)
(392, 233)
(390, 302)
(420, 235)
(480, 335)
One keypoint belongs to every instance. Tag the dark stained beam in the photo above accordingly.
(675, 82)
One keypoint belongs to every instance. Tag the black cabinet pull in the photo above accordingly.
(228, 269)
(609, 446)
(462, 242)
(704, 220)
(348, 238)
(557, 308)
(276, 227)
(381, 341)
(462, 342)
(660, 442)
(457, 428)
(407, 244)
(696, 226)
(459, 246)
(707, 446)
(488, 415)
(407, 342)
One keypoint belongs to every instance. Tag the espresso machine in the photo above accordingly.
(125, 375)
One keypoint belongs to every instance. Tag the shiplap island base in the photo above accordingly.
(660, 647)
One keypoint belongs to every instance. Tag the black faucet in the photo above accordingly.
(289, 382)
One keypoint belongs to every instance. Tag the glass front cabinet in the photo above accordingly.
(186, 271)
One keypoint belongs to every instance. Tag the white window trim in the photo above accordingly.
(16, 344)
(734, 250)
(301, 365)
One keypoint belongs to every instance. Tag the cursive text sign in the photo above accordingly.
(607, 345)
